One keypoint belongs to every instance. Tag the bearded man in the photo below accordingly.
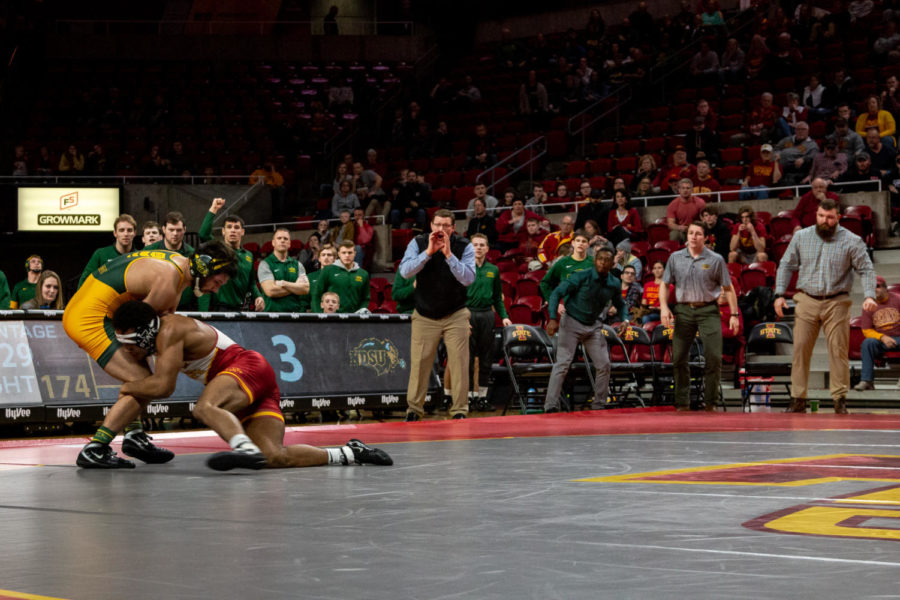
(825, 255)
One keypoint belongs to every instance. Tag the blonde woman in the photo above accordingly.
(47, 293)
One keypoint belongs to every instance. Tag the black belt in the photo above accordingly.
(698, 304)
(820, 298)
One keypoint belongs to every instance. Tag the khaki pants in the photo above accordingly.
(426, 335)
(834, 316)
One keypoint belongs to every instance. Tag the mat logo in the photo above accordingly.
(158, 409)
(863, 515)
(321, 402)
(355, 401)
(17, 413)
(388, 399)
(382, 356)
(68, 413)
(287, 403)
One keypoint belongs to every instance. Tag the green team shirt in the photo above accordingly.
(562, 270)
(486, 290)
(22, 292)
(351, 286)
(188, 300)
(307, 299)
(289, 270)
(402, 293)
(4, 291)
(100, 257)
(234, 293)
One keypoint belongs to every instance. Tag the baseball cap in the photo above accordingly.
(881, 280)
(863, 155)
(765, 148)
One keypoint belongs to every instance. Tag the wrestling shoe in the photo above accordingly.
(101, 456)
(364, 454)
(137, 444)
(237, 459)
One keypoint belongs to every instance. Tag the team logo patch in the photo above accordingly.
(770, 331)
(521, 334)
(382, 356)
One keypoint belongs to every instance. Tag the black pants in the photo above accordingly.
(481, 345)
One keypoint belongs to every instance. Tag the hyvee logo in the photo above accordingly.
(158, 409)
(387, 399)
(17, 413)
(68, 413)
(355, 401)
(68, 201)
(321, 402)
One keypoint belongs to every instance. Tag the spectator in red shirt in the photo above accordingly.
(623, 221)
(804, 214)
(748, 239)
(679, 167)
(881, 328)
(549, 247)
(704, 182)
(683, 210)
(650, 297)
(725, 314)
(512, 223)
(763, 173)
(531, 239)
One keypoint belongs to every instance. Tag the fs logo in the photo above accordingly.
(380, 355)
(68, 201)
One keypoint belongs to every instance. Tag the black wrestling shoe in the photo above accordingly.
(236, 459)
(366, 455)
(411, 416)
(137, 444)
(458, 416)
(101, 456)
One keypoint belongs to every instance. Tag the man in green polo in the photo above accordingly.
(123, 230)
(241, 290)
(699, 276)
(347, 279)
(173, 239)
(483, 297)
(282, 277)
(565, 266)
(584, 295)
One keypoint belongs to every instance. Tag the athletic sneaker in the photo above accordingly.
(137, 444)
(101, 456)
(367, 455)
(236, 459)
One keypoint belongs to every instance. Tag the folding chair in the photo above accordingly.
(627, 368)
(764, 365)
(528, 356)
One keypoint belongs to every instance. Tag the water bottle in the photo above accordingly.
(814, 405)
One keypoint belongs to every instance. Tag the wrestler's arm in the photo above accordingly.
(161, 384)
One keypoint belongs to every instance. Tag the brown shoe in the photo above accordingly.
(683, 408)
(798, 405)
(709, 407)
(840, 406)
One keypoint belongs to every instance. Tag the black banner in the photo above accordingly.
(321, 362)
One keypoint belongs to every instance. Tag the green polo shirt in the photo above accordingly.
(402, 292)
(561, 270)
(4, 292)
(100, 257)
(22, 292)
(585, 295)
(233, 294)
(288, 270)
(486, 290)
(351, 285)
(188, 300)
